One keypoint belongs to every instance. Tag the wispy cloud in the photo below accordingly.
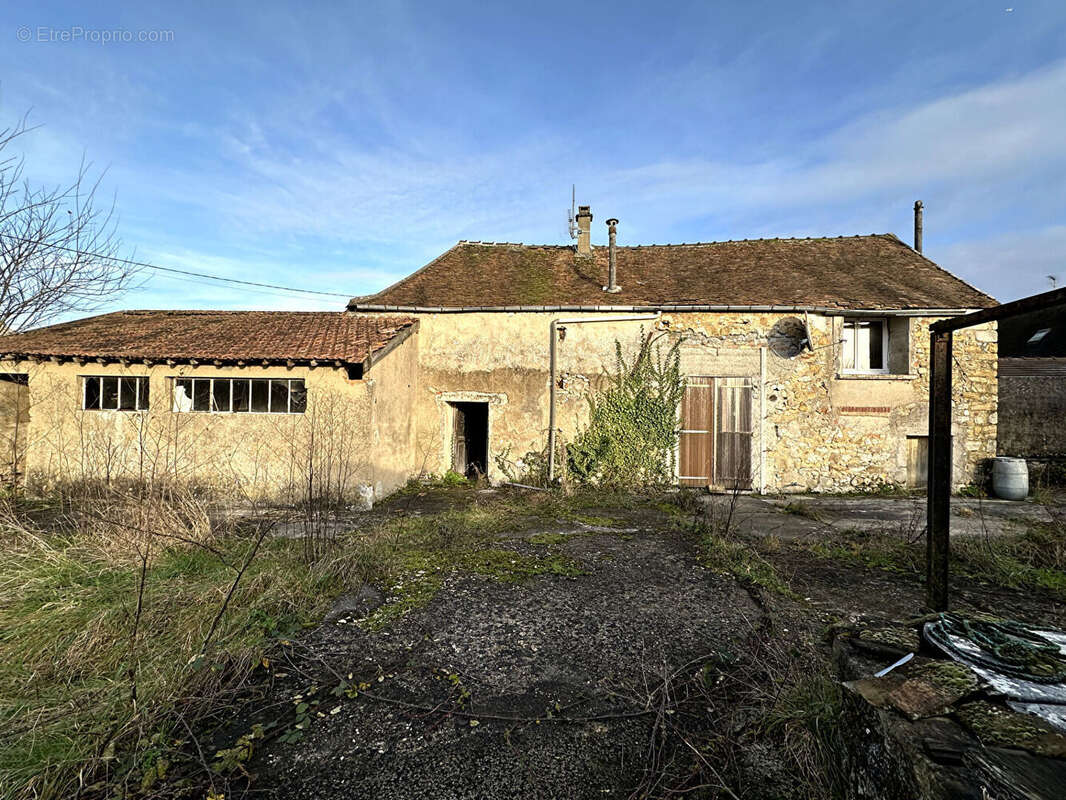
(1019, 262)
(369, 139)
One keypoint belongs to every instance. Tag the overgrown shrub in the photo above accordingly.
(633, 428)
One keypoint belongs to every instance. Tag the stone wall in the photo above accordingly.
(814, 428)
(1032, 416)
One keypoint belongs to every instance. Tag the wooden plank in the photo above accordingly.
(734, 434)
(1032, 367)
(938, 516)
(459, 441)
(917, 461)
(1036, 302)
(695, 461)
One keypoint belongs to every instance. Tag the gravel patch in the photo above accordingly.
(573, 647)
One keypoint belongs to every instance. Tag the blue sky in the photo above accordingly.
(339, 147)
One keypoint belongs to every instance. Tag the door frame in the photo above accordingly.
(445, 409)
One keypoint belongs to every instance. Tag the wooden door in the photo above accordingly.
(917, 461)
(732, 458)
(459, 440)
(696, 446)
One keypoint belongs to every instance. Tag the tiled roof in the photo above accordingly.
(227, 336)
(855, 272)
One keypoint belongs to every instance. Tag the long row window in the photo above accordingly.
(109, 393)
(236, 395)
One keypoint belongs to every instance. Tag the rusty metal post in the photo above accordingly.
(938, 512)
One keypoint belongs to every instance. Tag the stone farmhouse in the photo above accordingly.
(805, 362)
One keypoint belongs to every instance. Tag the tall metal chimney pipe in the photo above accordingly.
(612, 271)
(918, 225)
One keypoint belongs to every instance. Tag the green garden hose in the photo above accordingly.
(1006, 646)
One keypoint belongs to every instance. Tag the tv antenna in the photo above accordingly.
(1053, 278)
(570, 217)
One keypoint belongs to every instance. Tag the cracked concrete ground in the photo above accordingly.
(582, 648)
(905, 515)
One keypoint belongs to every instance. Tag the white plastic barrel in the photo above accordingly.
(1010, 478)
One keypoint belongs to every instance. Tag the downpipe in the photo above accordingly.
(553, 360)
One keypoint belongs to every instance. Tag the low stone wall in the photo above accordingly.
(1032, 413)
(927, 730)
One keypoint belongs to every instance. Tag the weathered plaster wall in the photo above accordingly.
(823, 431)
(14, 415)
(502, 359)
(1032, 415)
(392, 386)
(354, 434)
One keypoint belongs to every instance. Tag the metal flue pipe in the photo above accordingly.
(612, 261)
(918, 206)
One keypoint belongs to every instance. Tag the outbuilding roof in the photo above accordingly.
(331, 338)
(854, 272)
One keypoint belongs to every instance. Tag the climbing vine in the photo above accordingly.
(632, 431)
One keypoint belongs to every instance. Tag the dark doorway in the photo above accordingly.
(470, 439)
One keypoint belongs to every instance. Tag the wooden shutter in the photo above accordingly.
(459, 441)
(917, 461)
(732, 458)
(696, 447)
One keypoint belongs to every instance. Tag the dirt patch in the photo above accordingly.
(539, 686)
(587, 652)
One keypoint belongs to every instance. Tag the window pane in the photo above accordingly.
(220, 395)
(260, 395)
(279, 397)
(298, 397)
(183, 394)
(109, 396)
(127, 394)
(241, 395)
(201, 395)
(847, 351)
(142, 393)
(92, 393)
(862, 346)
(876, 345)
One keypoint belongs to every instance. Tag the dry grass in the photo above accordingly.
(112, 630)
(122, 618)
(1033, 559)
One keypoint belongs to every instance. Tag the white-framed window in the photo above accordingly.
(240, 395)
(864, 346)
(114, 393)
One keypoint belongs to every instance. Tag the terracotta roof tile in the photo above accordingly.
(213, 335)
(854, 272)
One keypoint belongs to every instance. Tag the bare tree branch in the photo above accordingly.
(59, 252)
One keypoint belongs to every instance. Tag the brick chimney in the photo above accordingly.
(612, 270)
(584, 231)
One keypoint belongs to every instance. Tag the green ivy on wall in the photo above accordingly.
(632, 432)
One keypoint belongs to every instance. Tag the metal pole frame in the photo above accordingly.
(938, 512)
